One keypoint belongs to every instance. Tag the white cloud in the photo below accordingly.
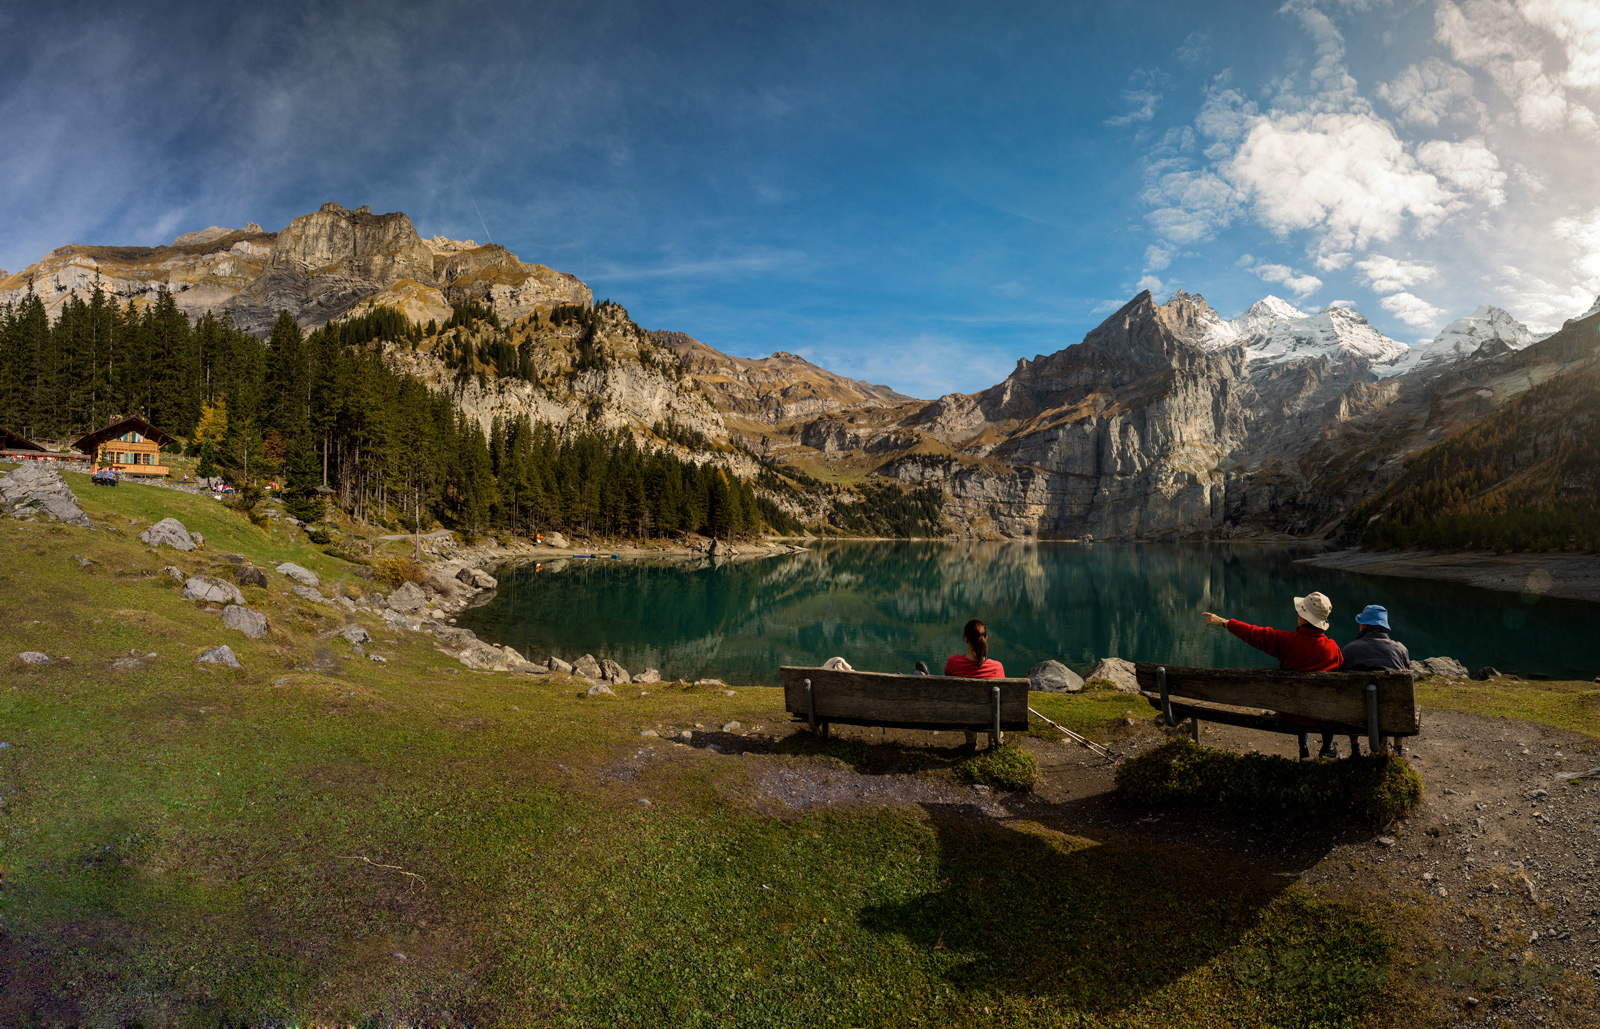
(1298, 283)
(1414, 311)
(1151, 283)
(1541, 304)
(1469, 166)
(1335, 261)
(1142, 98)
(1157, 257)
(1502, 40)
(1190, 206)
(1195, 48)
(1425, 94)
(1386, 275)
(1344, 174)
(1584, 235)
(1576, 23)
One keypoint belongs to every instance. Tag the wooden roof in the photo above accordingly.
(15, 441)
(89, 443)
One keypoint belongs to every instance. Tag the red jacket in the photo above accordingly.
(1306, 649)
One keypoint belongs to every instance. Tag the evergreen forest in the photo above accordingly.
(324, 416)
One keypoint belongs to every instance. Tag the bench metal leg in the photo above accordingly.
(1374, 735)
(1166, 701)
(1194, 729)
(994, 735)
(811, 708)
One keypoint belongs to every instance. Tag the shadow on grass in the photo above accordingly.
(1042, 922)
(888, 758)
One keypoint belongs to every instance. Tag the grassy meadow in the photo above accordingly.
(320, 839)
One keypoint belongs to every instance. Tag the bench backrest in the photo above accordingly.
(1327, 696)
(905, 701)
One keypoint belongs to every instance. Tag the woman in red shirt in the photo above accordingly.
(976, 664)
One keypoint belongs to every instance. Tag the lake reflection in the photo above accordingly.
(884, 606)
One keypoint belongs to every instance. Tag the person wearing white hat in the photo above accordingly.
(1305, 649)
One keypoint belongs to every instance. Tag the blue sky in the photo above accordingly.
(914, 193)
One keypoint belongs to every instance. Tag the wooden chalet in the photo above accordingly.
(131, 446)
(16, 447)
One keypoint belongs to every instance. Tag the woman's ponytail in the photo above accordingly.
(977, 635)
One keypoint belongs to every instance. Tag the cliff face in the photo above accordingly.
(322, 266)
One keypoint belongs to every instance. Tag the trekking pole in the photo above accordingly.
(1082, 741)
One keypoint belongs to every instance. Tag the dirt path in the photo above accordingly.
(1497, 865)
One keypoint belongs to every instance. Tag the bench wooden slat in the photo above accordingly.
(1339, 697)
(905, 701)
(1247, 720)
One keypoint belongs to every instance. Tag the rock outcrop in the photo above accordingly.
(1054, 677)
(169, 532)
(35, 490)
(252, 623)
(212, 591)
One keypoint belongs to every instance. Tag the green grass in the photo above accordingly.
(184, 847)
(1565, 705)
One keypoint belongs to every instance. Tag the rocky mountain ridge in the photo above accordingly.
(321, 266)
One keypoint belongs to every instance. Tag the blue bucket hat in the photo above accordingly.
(1374, 614)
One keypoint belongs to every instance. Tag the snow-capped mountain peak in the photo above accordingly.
(1485, 330)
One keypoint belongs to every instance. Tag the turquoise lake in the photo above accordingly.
(884, 606)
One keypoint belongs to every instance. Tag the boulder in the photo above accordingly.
(1487, 672)
(558, 665)
(599, 689)
(486, 657)
(613, 672)
(252, 623)
(408, 599)
(222, 655)
(477, 579)
(197, 539)
(250, 575)
(175, 572)
(308, 593)
(555, 539)
(1118, 671)
(212, 591)
(33, 657)
(169, 532)
(587, 665)
(34, 490)
(1447, 666)
(304, 576)
(1054, 677)
(356, 634)
(648, 675)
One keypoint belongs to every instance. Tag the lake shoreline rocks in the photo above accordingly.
(1565, 576)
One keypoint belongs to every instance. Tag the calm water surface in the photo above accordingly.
(884, 606)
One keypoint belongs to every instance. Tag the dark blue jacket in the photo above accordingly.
(1376, 652)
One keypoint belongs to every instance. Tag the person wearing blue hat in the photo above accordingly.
(1373, 650)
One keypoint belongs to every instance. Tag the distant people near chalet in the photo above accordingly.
(1305, 649)
(1374, 650)
(976, 664)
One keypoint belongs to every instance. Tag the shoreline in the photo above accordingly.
(1565, 577)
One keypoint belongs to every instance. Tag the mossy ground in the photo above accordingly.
(319, 839)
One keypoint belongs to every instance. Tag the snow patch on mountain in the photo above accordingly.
(1488, 326)
(1274, 331)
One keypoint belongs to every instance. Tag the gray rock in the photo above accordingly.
(731, 726)
(587, 665)
(33, 657)
(378, 659)
(252, 623)
(1447, 666)
(212, 591)
(555, 539)
(34, 490)
(648, 675)
(250, 575)
(1487, 672)
(308, 593)
(304, 576)
(1054, 677)
(558, 665)
(599, 689)
(175, 572)
(83, 562)
(169, 532)
(356, 634)
(222, 655)
(649, 732)
(487, 657)
(614, 673)
(197, 539)
(477, 578)
(408, 599)
(1118, 671)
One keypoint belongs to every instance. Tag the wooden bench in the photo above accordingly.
(1370, 704)
(822, 697)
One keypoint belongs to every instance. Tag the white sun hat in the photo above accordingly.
(1314, 608)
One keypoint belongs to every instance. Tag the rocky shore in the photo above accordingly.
(1568, 576)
